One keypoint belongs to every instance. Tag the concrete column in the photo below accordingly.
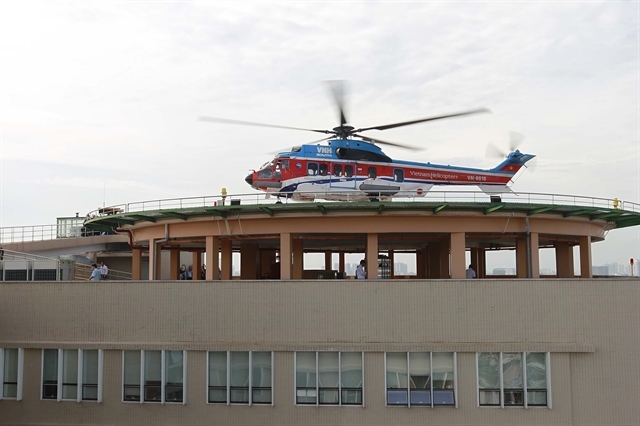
(157, 259)
(249, 261)
(433, 260)
(521, 257)
(422, 260)
(196, 261)
(136, 264)
(482, 263)
(327, 261)
(445, 271)
(371, 256)
(457, 242)
(532, 256)
(392, 263)
(564, 259)
(227, 260)
(585, 257)
(298, 258)
(174, 264)
(341, 262)
(475, 260)
(212, 260)
(285, 256)
(534, 251)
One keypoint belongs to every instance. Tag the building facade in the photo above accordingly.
(342, 352)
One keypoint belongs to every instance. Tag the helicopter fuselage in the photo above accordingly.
(355, 170)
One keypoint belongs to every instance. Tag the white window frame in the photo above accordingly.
(80, 371)
(317, 404)
(18, 396)
(432, 405)
(163, 380)
(524, 381)
(250, 403)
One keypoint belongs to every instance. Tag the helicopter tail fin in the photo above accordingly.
(513, 163)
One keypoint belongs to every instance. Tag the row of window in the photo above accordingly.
(339, 170)
(322, 378)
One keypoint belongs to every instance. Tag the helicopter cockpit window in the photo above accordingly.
(324, 169)
(372, 172)
(337, 170)
(312, 169)
(284, 164)
(398, 175)
(348, 171)
(265, 174)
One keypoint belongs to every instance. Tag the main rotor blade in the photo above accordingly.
(307, 143)
(381, 142)
(337, 89)
(251, 123)
(494, 151)
(422, 120)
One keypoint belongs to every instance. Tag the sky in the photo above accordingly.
(99, 100)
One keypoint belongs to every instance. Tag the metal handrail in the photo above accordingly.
(48, 232)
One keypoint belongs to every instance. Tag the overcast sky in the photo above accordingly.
(99, 100)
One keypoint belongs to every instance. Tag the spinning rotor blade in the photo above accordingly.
(251, 123)
(515, 139)
(307, 143)
(422, 120)
(368, 139)
(494, 151)
(337, 89)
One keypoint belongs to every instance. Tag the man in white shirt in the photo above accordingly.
(471, 273)
(361, 274)
(103, 271)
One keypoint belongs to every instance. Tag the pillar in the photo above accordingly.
(298, 259)
(528, 260)
(249, 261)
(174, 264)
(196, 261)
(155, 259)
(564, 259)
(481, 272)
(422, 260)
(457, 243)
(475, 260)
(392, 264)
(212, 246)
(585, 257)
(136, 264)
(371, 256)
(285, 256)
(433, 260)
(327, 261)
(444, 258)
(227, 260)
(341, 262)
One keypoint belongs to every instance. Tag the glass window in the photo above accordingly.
(420, 378)
(312, 169)
(337, 170)
(372, 173)
(512, 379)
(70, 374)
(10, 373)
(148, 376)
(50, 374)
(339, 378)
(75, 372)
(348, 171)
(324, 169)
(243, 385)
(398, 175)
(132, 375)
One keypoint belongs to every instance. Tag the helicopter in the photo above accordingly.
(350, 166)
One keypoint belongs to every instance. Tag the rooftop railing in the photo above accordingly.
(47, 232)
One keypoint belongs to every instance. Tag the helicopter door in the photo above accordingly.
(343, 175)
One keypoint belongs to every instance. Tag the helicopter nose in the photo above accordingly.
(249, 179)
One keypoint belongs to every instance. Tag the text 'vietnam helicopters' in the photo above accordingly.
(349, 169)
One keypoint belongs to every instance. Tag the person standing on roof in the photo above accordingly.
(471, 273)
(95, 274)
(103, 271)
(361, 274)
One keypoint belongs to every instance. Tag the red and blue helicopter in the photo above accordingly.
(352, 167)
